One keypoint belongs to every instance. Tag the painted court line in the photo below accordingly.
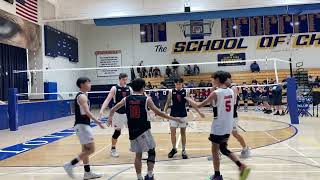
(174, 172)
(300, 153)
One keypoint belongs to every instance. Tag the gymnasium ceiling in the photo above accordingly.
(96, 9)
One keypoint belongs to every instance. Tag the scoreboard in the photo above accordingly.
(270, 25)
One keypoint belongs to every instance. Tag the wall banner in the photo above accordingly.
(108, 59)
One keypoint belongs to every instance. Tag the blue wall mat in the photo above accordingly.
(4, 119)
(50, 87)
(29, 113)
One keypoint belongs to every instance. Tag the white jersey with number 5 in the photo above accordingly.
(225, 103)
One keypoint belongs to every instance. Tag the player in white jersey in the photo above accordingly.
(222, 126)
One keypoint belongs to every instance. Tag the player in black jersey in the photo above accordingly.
(178, 109)
(83, 129)
(117, 93)
(163, 95)
(245, 153)
(141, 139)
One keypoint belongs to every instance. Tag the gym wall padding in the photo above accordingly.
(34, 112)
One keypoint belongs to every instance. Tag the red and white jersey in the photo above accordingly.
(225, 104)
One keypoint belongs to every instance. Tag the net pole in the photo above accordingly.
(290, 66)
(275, 70)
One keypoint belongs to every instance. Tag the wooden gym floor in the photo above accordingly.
(278, 153)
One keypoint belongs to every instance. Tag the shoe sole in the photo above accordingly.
(245, 174)
(172, 155)
(68, 173)
(92, 178)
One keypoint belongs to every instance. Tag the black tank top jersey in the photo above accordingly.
(121, 92)
(137, 115)
(178, 108)
(80, 118)
(163, 95)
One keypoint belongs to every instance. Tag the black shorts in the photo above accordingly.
(219, 139)
(277, 100)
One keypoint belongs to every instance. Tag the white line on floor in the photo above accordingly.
(168, 172)
(300, 153)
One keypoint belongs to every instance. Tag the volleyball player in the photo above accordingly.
(163, 95)
(178, 109)
(245, 96)
(223, 125)
(141, 139)
(117, 93)
(83, 130)
(245, 153)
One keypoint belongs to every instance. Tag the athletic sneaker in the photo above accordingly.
(215, 178)
(148, 178)
(283, 113)
(172, 153)
(277, 113)
(114, 153)
(244, 172)
(245, 153)
(184, 155)
(69, 170)
(91, 175)
(268, 111)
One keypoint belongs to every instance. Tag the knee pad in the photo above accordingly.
(151, 156)
(116, 134)
(224, 150)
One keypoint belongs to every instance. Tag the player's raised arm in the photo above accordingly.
(83, 103)
(159, 113)
(210, 98)
(195, 108)
(107, 100)
(114, 109)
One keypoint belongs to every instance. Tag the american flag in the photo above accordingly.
(27, 9)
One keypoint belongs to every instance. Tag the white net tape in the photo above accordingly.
(269, 65)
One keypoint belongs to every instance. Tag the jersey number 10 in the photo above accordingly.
(135, 112)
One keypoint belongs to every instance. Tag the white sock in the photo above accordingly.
(150, 173)
(174, 146)
(183, 147)
(139, 176)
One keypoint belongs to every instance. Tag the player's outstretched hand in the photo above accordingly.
(178, 119)
(100, 115)
(100, 124)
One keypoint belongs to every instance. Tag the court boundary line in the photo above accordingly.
(195, 157)
(300, 153)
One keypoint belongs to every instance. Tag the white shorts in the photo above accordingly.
(235, 124)
(176, 124)
(84, 133)
(143, 143)
(119, 121)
